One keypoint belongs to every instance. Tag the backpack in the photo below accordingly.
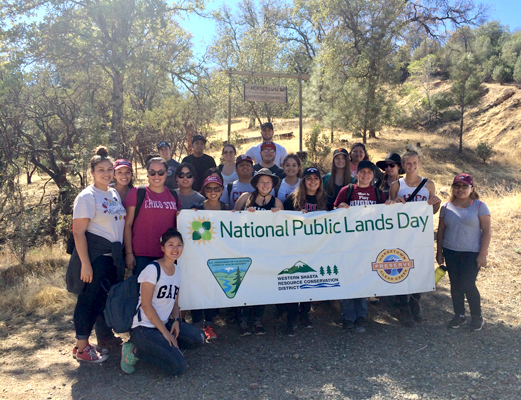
(122, 303)
(351, 187)
(141, 192)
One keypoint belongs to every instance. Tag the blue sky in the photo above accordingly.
(203, 29)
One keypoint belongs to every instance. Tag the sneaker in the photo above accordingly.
(457, 321)
(244, 330)
(476, 323)
(305, 322)
(259, 329)
(210, 334)
(128, 358)
(348, 325)
(360, 325)
(89, 354)
(290, 329)
(102, 351)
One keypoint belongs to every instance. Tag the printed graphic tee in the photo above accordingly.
(359, 196)
(157, 214)
(105, 211)
(165, 292)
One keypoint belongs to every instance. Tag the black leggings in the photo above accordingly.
(463, 270)
(91, 302)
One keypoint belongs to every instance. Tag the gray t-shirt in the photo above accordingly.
(463, 230)
(105, 211)
(187, 201)
(238, 188)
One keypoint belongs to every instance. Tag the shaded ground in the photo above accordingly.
(388, 361)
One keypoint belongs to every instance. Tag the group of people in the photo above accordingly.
(118, 226)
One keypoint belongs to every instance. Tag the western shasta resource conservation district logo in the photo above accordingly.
(229, 273)
(201, 230)
(302, 276)
(393, 265)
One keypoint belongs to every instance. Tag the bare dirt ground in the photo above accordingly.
(388, 361)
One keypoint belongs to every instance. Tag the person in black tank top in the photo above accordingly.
(259, 200)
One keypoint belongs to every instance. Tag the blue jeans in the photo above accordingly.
(353, 309)
(142, 262)
(154, 349)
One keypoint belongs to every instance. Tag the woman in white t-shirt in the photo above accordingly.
(402, 191)
(292, 171)
(98, 223)
(227, 167)
(157, 330)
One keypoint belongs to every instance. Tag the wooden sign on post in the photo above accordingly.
(267, 93)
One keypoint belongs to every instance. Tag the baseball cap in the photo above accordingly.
(243, 158)
(212, 179)
(267, 125)
(310, 171)
(340, 151)
(464, 178)
(269, 145)
(122, 163)
(198, 137)
(163, 144)
(365, 164)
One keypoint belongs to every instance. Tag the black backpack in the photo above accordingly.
(122, 303)
(141, 192)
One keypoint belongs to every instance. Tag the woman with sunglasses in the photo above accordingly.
(185, 176)
(212, 190)
(227, 168)
(463, 238)
(392, 168)
(157, 213)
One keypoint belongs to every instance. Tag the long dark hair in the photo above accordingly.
(299, 196)
(297, 159)
(330, 188)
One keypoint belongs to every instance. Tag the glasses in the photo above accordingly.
(268, 150)
(151, 172)
(228, 152)
(460, 186)
(392, 165)
(189, 175)
(214, 189)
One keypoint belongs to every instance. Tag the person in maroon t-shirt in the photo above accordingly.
(362, 193)
(157, 214)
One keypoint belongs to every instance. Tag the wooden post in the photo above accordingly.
(229, 105)
(300, 112)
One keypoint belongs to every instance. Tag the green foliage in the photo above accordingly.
(502, 73)
(517, 70)
(318, 147)
(484, 151)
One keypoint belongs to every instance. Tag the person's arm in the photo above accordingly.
(241, 201)
(338, 201)
(439, 240)
(79, 228)
(278, 205)
(176, 316)
(147, 292)
(130, 260)
(486, 235)
(434, 200)
(393, 192)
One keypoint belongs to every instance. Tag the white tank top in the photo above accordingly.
(406, 191)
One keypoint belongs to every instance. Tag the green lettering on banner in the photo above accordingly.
(414, 222)
(400, 222)
(237, 232)
(359, 226)
(310, 229)
(334, 227)
(345, 224)
(295, 222)
(367, 226)
(389, 223)
(319, 225)
(424, 223)
(229, 232)
(381, 226)
(261, 230)
(280, 230)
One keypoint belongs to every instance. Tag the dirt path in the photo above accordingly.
(387, 362)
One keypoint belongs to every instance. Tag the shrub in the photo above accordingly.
(318, 147)
(502, 74)
(484, 151)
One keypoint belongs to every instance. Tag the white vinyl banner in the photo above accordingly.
(243, 258)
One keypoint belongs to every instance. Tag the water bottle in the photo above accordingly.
(440, 273)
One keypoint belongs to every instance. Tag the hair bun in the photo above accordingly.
(102, 151)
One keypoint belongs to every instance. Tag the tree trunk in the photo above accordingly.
(461, 129)
(372, 133)
(117, 113)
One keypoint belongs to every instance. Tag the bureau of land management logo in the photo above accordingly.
(201, 230)
(393, 265)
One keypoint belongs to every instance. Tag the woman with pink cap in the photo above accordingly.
(463, 238)
(123, 178)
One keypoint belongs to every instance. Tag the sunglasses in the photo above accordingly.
(392, 165)
(151, 172)
(187, 174)
(215, 189)
(228, 152)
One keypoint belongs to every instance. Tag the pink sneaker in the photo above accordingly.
(210, 334)
(100, 350)
(89, 354)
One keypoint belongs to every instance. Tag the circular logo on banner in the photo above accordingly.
(201, 230)
(393, 265)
